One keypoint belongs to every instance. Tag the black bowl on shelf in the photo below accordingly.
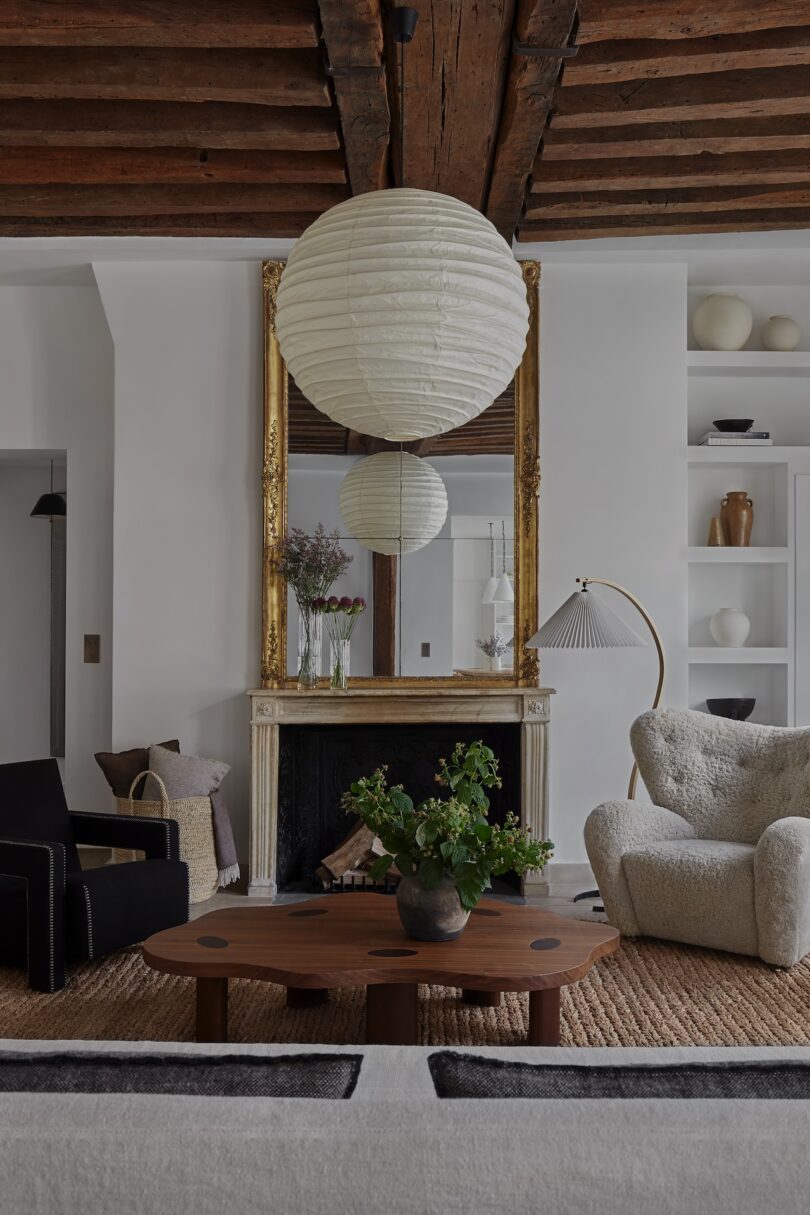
(737, 708)
(736, 425)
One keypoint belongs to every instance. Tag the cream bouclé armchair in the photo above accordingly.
(722, 857)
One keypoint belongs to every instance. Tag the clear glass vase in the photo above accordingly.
(339, 648)
(310, 631)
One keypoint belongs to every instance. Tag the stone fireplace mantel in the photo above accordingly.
(270, 709)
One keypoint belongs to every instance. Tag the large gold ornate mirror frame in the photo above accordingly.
(274, 508)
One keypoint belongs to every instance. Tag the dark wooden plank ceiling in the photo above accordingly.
(250, 117)
(677, 117)
(311, 432)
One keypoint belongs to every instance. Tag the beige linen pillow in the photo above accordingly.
(183, 775)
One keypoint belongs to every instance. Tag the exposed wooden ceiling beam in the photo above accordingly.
(228, 23)
(260, 224)
(276, 78)
(530, 85)
(665, 202)
(166, 124)
(667, 172)
(675, 225)
(455, 73)
(603, 62)
(608, 19)
(166, 166)
(678, 138)
(354, 43)
(714, 95)
(166, 200)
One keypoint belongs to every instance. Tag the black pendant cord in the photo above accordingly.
(403, 24)
(402, 115)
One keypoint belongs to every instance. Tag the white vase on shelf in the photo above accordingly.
(780, 333)
(494, 662)
(729, 627)
(722, 321)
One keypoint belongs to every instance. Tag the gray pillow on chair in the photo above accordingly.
(183, 775)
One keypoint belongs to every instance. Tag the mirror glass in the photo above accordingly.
(428, 613)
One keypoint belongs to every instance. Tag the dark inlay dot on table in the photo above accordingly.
(212, 942)
(308, 911)
(484, 911)
(545, 943)
(392, 953)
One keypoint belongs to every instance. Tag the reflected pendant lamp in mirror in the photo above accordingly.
(402, 314)
(393, 503)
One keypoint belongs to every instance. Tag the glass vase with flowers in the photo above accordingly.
(311, 564)
(340, 617)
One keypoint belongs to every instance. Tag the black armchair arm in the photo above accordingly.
(159, 838)
(43, 868)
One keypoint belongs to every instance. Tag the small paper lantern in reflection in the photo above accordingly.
(393, 503)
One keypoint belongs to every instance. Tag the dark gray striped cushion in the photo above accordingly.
(456, 1074)
(327, 1077)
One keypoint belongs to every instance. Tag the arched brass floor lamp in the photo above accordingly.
(585, 622)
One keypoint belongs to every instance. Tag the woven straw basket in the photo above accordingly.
(193, 816)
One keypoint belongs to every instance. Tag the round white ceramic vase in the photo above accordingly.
(780, 333)
(722, 322)
(729, 627)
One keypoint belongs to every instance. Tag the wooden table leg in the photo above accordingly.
(212, 1010)
(391, 1014)
(481, 999)
(544, 1017)
(307, 997)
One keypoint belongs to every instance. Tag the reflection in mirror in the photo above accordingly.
(425, 608)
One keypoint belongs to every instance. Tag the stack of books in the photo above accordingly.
(736, 438)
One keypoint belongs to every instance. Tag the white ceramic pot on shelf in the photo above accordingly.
(780, 333)
(495, 662)
(730, 627)
(722, 321)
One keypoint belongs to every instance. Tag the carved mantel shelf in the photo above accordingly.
(270, 709)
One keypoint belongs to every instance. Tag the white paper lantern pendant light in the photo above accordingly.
(402, 313)
(393, 503)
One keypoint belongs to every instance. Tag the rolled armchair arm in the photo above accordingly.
(158, 837)
(782, 891)
(615, 828)
(42, 865)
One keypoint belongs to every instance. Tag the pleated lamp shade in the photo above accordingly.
(393, 503)
(584, 622)
(402, 314)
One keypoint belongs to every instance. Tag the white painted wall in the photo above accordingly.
(25, 614)
(56, 394)
(613, 505)
(187, 340)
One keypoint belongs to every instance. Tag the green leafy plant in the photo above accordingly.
(449, 837)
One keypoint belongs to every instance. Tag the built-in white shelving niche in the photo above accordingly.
(767, 682)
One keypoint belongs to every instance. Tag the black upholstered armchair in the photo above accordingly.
(51, 910)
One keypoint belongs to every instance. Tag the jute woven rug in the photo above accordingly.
(648, 994)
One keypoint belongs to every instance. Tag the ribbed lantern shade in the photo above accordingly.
(402, 314)
(584, 622)
(393, 503)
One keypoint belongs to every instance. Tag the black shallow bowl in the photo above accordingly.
(738, 425)
(738, 708)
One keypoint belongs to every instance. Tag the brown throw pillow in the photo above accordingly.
(121, 768)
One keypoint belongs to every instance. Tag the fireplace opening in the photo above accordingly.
(318, 763)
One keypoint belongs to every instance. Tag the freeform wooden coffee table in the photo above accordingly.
(356, 940)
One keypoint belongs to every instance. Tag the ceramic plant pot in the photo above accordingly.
(722, 322)
(737, 517)
(729, 627)
(430, 915)
(780, 333)
(494, 662)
